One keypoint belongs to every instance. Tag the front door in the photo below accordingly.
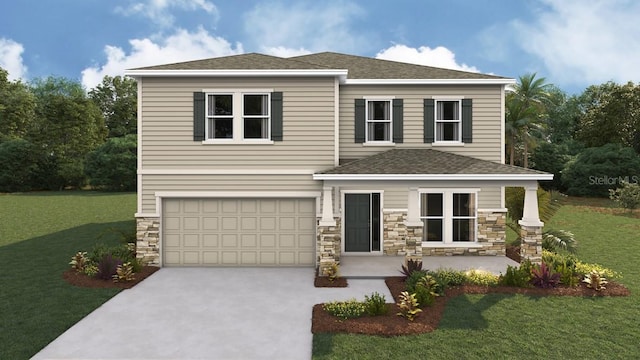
(362, 222)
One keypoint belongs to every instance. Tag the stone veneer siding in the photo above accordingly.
(148, 236)
(400, 240)
(531, 243)
(328, 246)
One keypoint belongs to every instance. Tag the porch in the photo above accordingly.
(358, 267)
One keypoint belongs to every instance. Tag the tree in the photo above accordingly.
(67, 126)
(17, 106)
(117, 99)
(112, 166)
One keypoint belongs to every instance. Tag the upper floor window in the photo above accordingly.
(256, 116)
(238, 116)
(448, 121)
(379, 120)
(220, 116)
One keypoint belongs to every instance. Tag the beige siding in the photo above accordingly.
(200, 183)
(486, 118)
(167, 126)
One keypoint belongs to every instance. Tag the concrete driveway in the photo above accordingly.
(207, 313)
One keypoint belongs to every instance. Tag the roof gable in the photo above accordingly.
(251, 61)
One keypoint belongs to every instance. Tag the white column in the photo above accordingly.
(530, 215)
(327, 207)
(413, 211)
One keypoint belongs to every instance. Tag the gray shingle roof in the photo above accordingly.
(369, 68)
(359, 67)
(426, 161)
(251, 61)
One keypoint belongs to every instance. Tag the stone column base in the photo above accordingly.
(147, 243)
(531, 243)
(328, 247)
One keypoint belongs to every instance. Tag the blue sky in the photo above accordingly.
(573, 43)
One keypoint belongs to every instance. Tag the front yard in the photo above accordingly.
(38, 234)
(519, 326)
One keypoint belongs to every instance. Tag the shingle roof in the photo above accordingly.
(426, 161)
(358, 67)
(369, 68)
(251, 61)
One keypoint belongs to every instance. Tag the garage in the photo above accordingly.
(239, 232)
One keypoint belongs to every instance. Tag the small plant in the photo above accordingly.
(409, 306)
(544, 277)
(554, 259)
(449, 277)
(567, 275)
(516, 277)
(427, 289)
(627, 196)
(559, 240)
(595, 281)
(332, 272)
(345, 309)
(79, 261)
(587, 268)
(481, 277)
(124, 273)
(411, 267)
(91, 270)
(107, 267)
(375, 304)
(412, 280)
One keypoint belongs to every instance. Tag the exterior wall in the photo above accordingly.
(487, 115)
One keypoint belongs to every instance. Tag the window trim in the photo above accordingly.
(244, 116)
(207, 129)
(238, 116)
(436, 120)
(447, 211)
(367, 121)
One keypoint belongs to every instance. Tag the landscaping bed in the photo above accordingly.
(393, 325)
(82, 280)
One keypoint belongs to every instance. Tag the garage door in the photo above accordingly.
(239, 232)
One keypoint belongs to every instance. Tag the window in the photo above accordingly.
(448, 216)
(240, 116)
(448, 121)
(378, 120)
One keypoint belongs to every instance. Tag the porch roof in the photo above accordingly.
(427, 164)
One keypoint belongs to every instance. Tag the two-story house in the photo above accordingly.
(256, 160)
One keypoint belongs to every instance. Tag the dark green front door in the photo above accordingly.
(357, 218)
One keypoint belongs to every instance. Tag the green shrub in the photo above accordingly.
(409, 306)
(22, 166)
(597, 169)
(345, 309)
(90, 270)
(559, 240)
(568, 275)
(586, 268)
(481, 277)
(555, 260)
(516, 277)
(122, 252)
(427, 289)
(412, 280)
(112, 166)
(449, 277)
(627, 196)
(375, 304)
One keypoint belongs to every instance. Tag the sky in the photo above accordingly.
(572, 43)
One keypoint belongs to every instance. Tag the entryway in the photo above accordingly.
(362, 226)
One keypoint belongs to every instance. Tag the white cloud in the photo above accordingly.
(181, 46)
(304, 27)
(159, 11)
(285, 52)
(585, 41)
(11, 58)
(437, 57)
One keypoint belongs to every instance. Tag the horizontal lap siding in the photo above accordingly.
(167, 128)
(199, 183)
(487, 112)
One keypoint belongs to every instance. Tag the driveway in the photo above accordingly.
(207, 313)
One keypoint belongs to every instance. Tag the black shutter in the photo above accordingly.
(276, 116)
(397, 121)
(429, 120)
(199, 117)
(467, 128)
(359, 120)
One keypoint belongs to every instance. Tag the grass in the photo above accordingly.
(39, 233)
(517, 326)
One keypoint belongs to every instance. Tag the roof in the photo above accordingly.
(427, 164)
(369, 68)
(350, 69)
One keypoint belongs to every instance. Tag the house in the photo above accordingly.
(256, 160)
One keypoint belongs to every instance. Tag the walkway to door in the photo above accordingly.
(384, 266)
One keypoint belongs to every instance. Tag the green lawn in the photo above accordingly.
(518, 327)
(39, 232)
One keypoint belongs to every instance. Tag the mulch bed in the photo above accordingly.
(323, 281)
(393, 325)
(513, 253)
(82, 280)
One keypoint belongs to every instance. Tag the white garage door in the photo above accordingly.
(239, 232)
